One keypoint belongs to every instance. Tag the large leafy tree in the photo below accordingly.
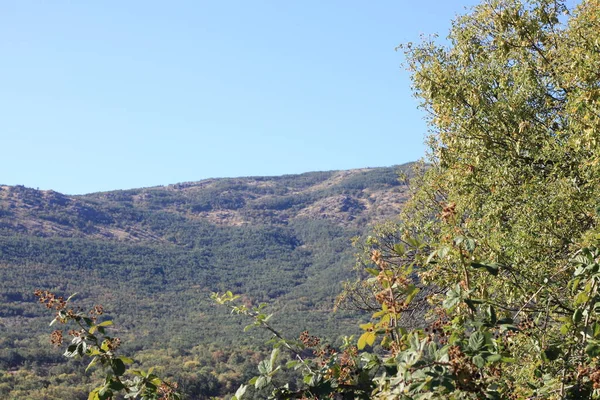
(514, 113)
(512, 192)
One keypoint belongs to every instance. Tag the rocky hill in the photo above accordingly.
(350, 198)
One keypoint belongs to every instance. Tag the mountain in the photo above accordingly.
(347, 198)
(152, 256)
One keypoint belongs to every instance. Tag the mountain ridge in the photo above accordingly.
(343, 196)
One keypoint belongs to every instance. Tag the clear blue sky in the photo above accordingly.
(99, 95)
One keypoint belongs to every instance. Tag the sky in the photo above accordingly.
(106, 95)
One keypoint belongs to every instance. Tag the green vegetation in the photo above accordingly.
(90, 339)
(151, 258)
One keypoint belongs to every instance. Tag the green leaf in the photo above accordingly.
(311, 379)
(470, 245)
(592, 350)
(452, 297)
(366, 327)
(156, 381)
(92, 363)
(371, 339)
(443, 252)
(118, 366)
(551, 353)
(94, 394)
(367, 338)
(581, 297)
(384, 311)
(492, 314)
(490, 268)
(273, 358)
(261, 382)
(126, 360)
(577, 316)
(430, 259)
(362, 341)
(412, 291)
(116, 385)
(105, 393)
(471, 304)
(595, 330)
(479, 361)
(263, 367)
(477, 341)
(240, 392)
(399, 249)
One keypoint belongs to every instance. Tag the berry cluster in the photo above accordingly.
(308, 340)
(51, 300)
(465, 372)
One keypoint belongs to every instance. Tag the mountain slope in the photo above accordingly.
(152, 256)
(348, 198)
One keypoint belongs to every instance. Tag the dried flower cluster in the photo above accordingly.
(50, 300)
(308, 340)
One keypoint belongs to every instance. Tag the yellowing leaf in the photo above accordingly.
(367, 338)
(366, 327)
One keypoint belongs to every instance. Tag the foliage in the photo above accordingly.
(89, 339)
(326, 372)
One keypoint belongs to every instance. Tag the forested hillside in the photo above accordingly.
(152, 257)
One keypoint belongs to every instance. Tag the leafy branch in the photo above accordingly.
(89, 339)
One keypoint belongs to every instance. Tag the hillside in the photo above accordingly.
(152, 256)
(347, 198)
